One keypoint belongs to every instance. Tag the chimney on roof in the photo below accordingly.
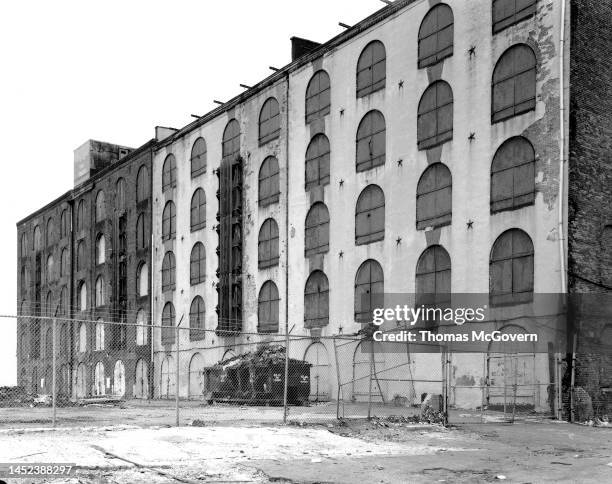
(301, 47)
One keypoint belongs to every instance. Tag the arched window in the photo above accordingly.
(436, 35)
(141, 234)
(83, 296)
(318, 100)
(231, 140)
(169, 221)
(37, 239)
(142, 184)
(269, 187)
(80, 262)
(100, 292)
(80, 218)
(268, 244)
(100, 207)
(50, 234)
(24, 245)
(24, 278)
(198, 210)
(100, 249)
(196, 319)
(511, 268)
(435, 117)
(269, 121)
(510, 12)
(168, 272)
(143, 280)
(370, 215)
(317, 230)
(64, 263)
(50, 266)
(167, 335)
(369, 290)
(63, 302)
(141, 327)
(99, 344)
(371, 141)
(371, 69)
(267, 308)
(120, 196)
(434, 197)
(49, 309)
(64, 224)
(514, 83)
(169, 173)
(198, 157)
(433, 276)
(513, 175)
(317, 161)
(197, 264)
(82, 338)
(316, 301)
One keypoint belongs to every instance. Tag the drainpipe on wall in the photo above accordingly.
(151, 375)
(286, 254)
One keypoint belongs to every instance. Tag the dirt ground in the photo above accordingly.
(343, 452)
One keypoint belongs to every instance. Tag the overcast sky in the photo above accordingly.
(112, 70)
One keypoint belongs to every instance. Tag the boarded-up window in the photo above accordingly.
(80, 218)
(142, 280)
(316, 301)
(50, 232)
(436, 35)
(100, 340)
(513, 175)
(269, 121)
(317, 162)
(80, 262)
(169, 221)
(198, 210)
(371, 141)
(83, 296)
(100, 250)
(433, 276)
(64, 224)
(317, 230)
(511, 268)
(198, 157)
(514, 83)
(167, 322)
(100, 292)
(50, 267)
(369, 288)
(269, 187)
(64, 263)
(197, 271)
(36, 239)
(231, 140)
(196, 319)
(268, 244)
(169, 173)
(100, 207)
(168, 272)
(435, 117)
(370, 215)
(434, 197)
(510, 12)
(120, 195)
(141, 234)
(371, 69)
(142, 184)
(318, 96)
(267, 308)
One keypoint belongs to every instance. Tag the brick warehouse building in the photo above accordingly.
(432, 147)
(86, 256)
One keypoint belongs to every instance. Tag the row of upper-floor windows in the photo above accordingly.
(511, 281)
(197, 267)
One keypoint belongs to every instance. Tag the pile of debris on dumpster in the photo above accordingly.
(258, 378)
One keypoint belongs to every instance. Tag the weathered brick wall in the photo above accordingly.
(590, 183)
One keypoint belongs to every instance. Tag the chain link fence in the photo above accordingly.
(98, 373)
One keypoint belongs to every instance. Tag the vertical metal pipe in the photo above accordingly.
(287, 164)
(54, 366)
(338, 379)
(370, 382)
(176, 380)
